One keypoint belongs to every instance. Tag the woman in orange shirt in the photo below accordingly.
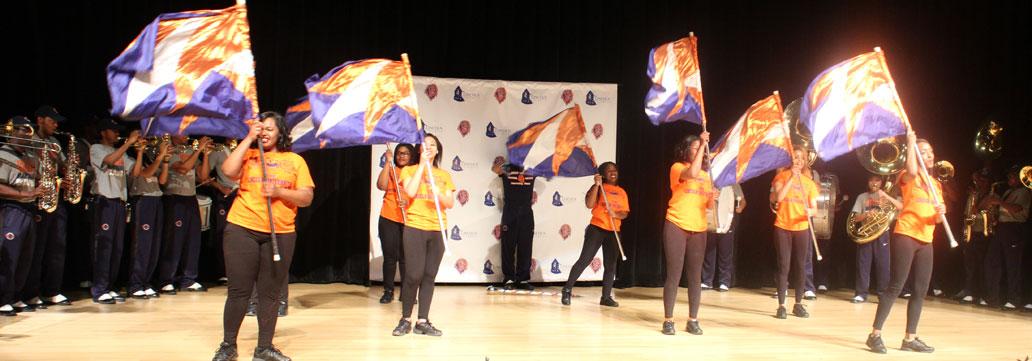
(684, 232)
(600, 233)
(247, 240)
(911, 246)
(795, 197)
(421, 240)
(391, 221)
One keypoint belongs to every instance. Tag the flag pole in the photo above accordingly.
(920, 158)
(791, 152)
(429, 170)
(609, 211)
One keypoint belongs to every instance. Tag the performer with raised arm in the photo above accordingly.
(430, 190)
(110, 163)
(517, 225)
(181, 242)
(606, 216)
(794, 198)
(911, 246)
(684, 232)
(145, 196)
(247, 244)
(392, 218)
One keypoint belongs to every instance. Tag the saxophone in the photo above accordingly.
(74, 174)
(49, 182)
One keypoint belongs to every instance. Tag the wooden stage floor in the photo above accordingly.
(345, 322)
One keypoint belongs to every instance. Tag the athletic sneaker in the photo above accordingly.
(874, 342)
(917, 346)
(858, 299)
(967, 299)
(1009, 306)
(706, 286)
(809, 295)
(723, 288)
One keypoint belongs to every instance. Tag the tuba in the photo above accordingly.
(1025, 176)
(74, 174)
(988, 140)
(885, 157)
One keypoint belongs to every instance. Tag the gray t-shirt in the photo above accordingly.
(1019, 196)
(17, 170)
(144, 186)
(181, 184)
(215, 160)
(109, 181)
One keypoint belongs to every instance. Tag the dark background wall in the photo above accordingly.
(955, 65)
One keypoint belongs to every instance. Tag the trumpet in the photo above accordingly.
(944, 171)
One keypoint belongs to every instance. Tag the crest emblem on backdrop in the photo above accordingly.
(526, 97)
(456, 233)
(458, 94)
(431, 91)
(557, 199)
(462, 197)
(461, 265)
(555, 267)
(499, 95)
(596, 130)
(488, 268)
(497, 232)
(564, 231)
(567, 96)
(596, 264)
(490, 130)
(456, 164)
(590, 98)
(489, 199)
(464, 127)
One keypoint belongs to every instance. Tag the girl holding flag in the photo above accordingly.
(392, 219)
(430, 190)
(795, 198)
(684, 232)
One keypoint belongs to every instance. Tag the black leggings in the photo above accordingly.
(595, 237)
(792, 248)
(684, 252)
(393, 257)
(906, 253)
(423, 251)
(249, 263)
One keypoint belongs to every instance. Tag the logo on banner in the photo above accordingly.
(497, 232)
(431, 91)
(533, 197)
(146, 227)
(526, 97)
(9, 236)
(455, 234)
(105, 226)
(462, 197)
(500, 95)
(557, 199)
(458, 94)
(590, 98)
(596, 130)
(596, 264)
(488, 268)
(564, 231)
(555, 267)
(490, 130)
(461, 265)
(567, 96)
(456, 164)
(489, 199)
(464, 127)
(383, 160)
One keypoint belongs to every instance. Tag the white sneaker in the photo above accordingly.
(149, 292)
(140, 294)
(195, 286)
(113, 294)
(968, 298)
(58, 299)
(104, 297)
(20, 304)
(858, 299)
(723, 288)
(982, 303)
(706, 287)
(223, 280)
(906, 295)
(937, 292)
(809, 295)
(822, 288)
(6, 308)
(168, 288)
(1009, 306)
(1028, 307)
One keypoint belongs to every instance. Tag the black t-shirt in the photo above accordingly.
(519, 189)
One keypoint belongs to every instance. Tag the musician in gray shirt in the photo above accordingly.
(1007, 244)
(182, 229)
(109, 166)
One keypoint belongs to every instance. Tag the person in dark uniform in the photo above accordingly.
(109, 195)
(145, 196)
(974, 248)
(517, 225)
(18, 192)
(48, 261)
(225, 191)
(876, 252)
(718, 266)
(1007, 244)
(181, 244)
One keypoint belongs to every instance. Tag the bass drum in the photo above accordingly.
(827, 199)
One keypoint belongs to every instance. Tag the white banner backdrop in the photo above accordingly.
(473, 119)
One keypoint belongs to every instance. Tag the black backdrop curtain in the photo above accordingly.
(955, 65)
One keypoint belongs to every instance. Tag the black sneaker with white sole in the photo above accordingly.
(426, 328)
(874, 342)
(916, 345)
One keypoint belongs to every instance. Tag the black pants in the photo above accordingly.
(423, 253)
(16, 247)
(817, 271)
(393, 256)
(146, 237)
(48, 258)
(872, 255)
(220, 207)
(792, 250)
(181, 243)
(517, 244)
(683, 252)
(719, 266)
(974, 265)
(907, 254)
(1004, 256)
(595, 238)
(249, 264)
(108, 243)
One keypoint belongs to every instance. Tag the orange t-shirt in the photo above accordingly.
(390, 209)
(287, 170)
(791, 213)
(422, 213)
(689, 199)
(918, 216)
(617, 202)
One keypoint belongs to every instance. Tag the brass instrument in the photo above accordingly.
(48, 181)
(1025, 176)
(988, 140)
(827, 184)
(944, 171)
(885, 157)
(799, 134)
(74, 174)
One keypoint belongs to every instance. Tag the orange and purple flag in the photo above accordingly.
(676, 92)
(756, 144)
(363, 102)
(556, 146)
(852, 104)
(188, 73)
